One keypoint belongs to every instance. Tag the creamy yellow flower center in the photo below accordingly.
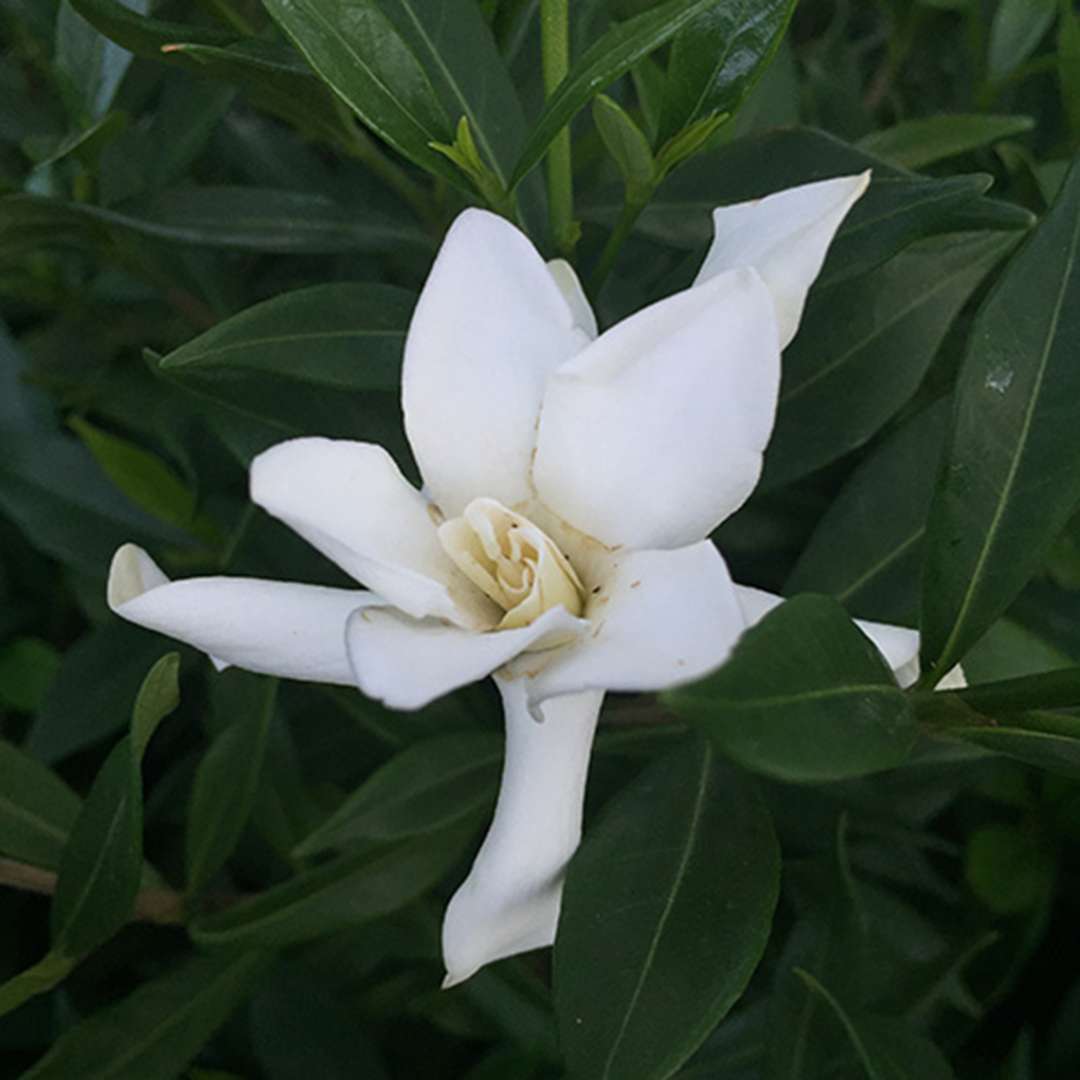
(512, 561)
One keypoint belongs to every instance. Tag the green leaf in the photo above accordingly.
(123, 24)
(864, 346)
(227, 782)
(431, 785)
(90, 65)
(804, 696)
(159, 1028)
(613, 54)
(1068, 50)
(343, 893)
(1049, 741)
(1011, 475)
(1049, 690)
(666, 911)
(27, 668)
(356, 49)
(914, 144)
(457, 51)
(52, 969)
(106, 666)
(884, 1049)
(717, 58)
(102, 864)
(1010, 868)
(625, 142)
(87, 144)
(1017, 28)
(37, 810)
(146, 480)
(866, 549)
(342, 335)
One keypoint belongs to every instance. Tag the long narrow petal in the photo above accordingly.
(509, 903)
(409, 662)
(784, 237)
(350, 501)
(663, 618)
(271, 627)
(490, 326)
(653, 434)
(899, 645)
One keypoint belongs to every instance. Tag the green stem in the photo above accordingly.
(358, 144)
(555, 60)
(628, 216)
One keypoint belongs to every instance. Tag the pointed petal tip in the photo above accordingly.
(456, 978)
(131, 573)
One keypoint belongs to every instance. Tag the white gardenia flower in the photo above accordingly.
(560, 543)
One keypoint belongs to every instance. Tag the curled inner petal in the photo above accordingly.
(513, 562)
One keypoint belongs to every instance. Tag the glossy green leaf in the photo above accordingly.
(158, 1029)
(48, 972)
(913, 144)
(1011, 476)
(90, 64)
(37, 810)
(625, 142)
(611, 55)
(457, 52)
(1048, 741)
(102, 864)
(429, 786)
(346, 892)
(1049, 690)
(357, 50)
(804, 696)
(666, 911)
(87, 144)
(146, 480)
(1015, 32)
(884, 1049)
(866, 550)
(227, 781)
(864, 346)
(104, 667)
(1068, 52)
(143, 36)
(717, 58)
(342, 335)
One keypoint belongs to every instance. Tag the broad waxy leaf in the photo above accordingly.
(160, 1027)
(432, 784)
(666, 912)
(864, 346)
(611, 55)
(804, 696)
(102, 864)
(37, 809)
(227, 781)
(343, 893)
(1010, 868)
(717, 58)
(1011, 473)
(866, 550)
(341, 335)
(1048, 690)
(357, 50)
(915, 143)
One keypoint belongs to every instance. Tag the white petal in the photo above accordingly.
(653, 434)
(407, 663)
(663, 618)
(570, 286)
(271, 627)
(490, 326)
(784, 237)
(509, 903)
(897, 644)
(350, 501)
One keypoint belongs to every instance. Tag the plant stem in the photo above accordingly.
(555, 59)
(628, 216)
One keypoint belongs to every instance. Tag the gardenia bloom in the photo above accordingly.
(560, 544)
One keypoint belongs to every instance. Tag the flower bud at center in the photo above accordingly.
(512, 561)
